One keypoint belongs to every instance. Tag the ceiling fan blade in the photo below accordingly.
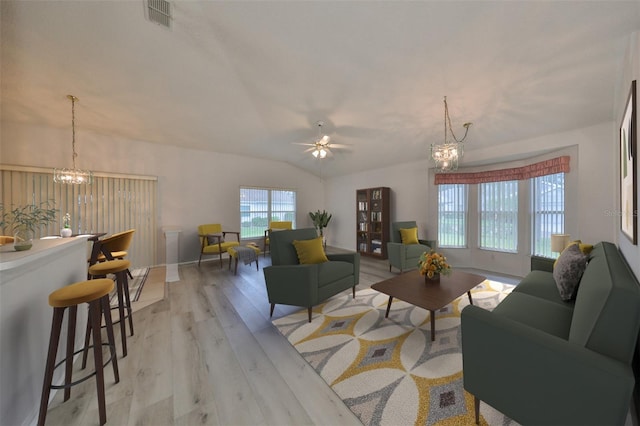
(339, 145)
(305, 144)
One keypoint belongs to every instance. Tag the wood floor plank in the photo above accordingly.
(208, 354)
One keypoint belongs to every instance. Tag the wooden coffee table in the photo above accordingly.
(411, 288)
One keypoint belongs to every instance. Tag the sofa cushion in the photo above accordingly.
(550, 317)
(334, 270)
(310, 251)
(568, 271)
(409, 235)
(541, 284)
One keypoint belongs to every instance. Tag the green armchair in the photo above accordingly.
(291, 283)
(405, 256)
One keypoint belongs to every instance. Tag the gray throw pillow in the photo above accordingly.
(568, 271)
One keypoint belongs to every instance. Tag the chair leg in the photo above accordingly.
(354, 291)
(309, 309)
(476, 406)
(257, 266)
(389, 267)
(220, 259)
(56, 326)
(199, 259)
(273, 305)
(235, 269)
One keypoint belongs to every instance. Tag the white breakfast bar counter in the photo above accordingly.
(26, 279)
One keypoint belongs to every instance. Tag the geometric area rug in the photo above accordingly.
(387, 370)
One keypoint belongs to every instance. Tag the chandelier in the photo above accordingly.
(73, 176)
(447, 154)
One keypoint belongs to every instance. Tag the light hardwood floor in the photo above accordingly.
(208, 354)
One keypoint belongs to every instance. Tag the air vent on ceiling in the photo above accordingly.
(160, 12)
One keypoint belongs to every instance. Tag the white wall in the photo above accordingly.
(194, 186)
(589, 196)
(630, 72)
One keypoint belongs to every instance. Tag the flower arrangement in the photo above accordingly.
(432, 263)
(67, 221)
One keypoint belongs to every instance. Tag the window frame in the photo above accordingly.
(443, 241)
(497, 192)
(260, 224)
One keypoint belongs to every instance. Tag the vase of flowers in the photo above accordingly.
(432, 265)
(66, 232)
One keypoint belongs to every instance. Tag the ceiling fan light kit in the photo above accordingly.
(321, 145)
(447, 155)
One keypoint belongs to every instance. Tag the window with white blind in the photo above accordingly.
(547, 203)
(260, 206)
(452, 215)
(112, 203)
(498, 206)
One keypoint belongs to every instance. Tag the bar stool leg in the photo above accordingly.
(71, 338)
(58, 314)
(95, 312)
(121, 305)
(125, 281)
(106, 311)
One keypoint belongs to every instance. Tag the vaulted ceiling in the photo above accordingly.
(253, 78)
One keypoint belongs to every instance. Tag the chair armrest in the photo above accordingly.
(431, 243)
(537, 378)
(351, 258)
(205, 239)
(224, 234)
(292, 284)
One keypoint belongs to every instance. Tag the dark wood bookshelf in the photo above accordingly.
(372, 221)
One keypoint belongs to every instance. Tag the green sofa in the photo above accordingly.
(540, 360)
(290, 283)
(405, 256)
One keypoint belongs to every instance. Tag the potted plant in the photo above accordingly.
(320, 221)
(66, 231)
(24, 220)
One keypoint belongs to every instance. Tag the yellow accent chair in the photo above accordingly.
(275, 226)
(212, 240)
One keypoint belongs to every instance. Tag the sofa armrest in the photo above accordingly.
(351, 258)
(539, 263)
(537, 378)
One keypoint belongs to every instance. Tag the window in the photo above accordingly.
(498, 205)
(259, 206)
(452, 215)
(547, 202)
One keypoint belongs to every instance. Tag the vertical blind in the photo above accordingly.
(547, 202)
(498, 204)
(452, 215)
(113, 203)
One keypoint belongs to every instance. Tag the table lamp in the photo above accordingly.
(559, 242)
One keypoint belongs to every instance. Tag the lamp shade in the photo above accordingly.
(559, 242)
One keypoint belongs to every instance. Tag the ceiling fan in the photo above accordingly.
(322, 146)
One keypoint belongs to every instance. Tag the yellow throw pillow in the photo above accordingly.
(584, 248)
(409, 235)
(310, 251)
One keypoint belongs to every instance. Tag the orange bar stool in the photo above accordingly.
(119, 268)
(96, 294)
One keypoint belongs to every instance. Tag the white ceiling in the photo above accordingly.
(253, 78)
